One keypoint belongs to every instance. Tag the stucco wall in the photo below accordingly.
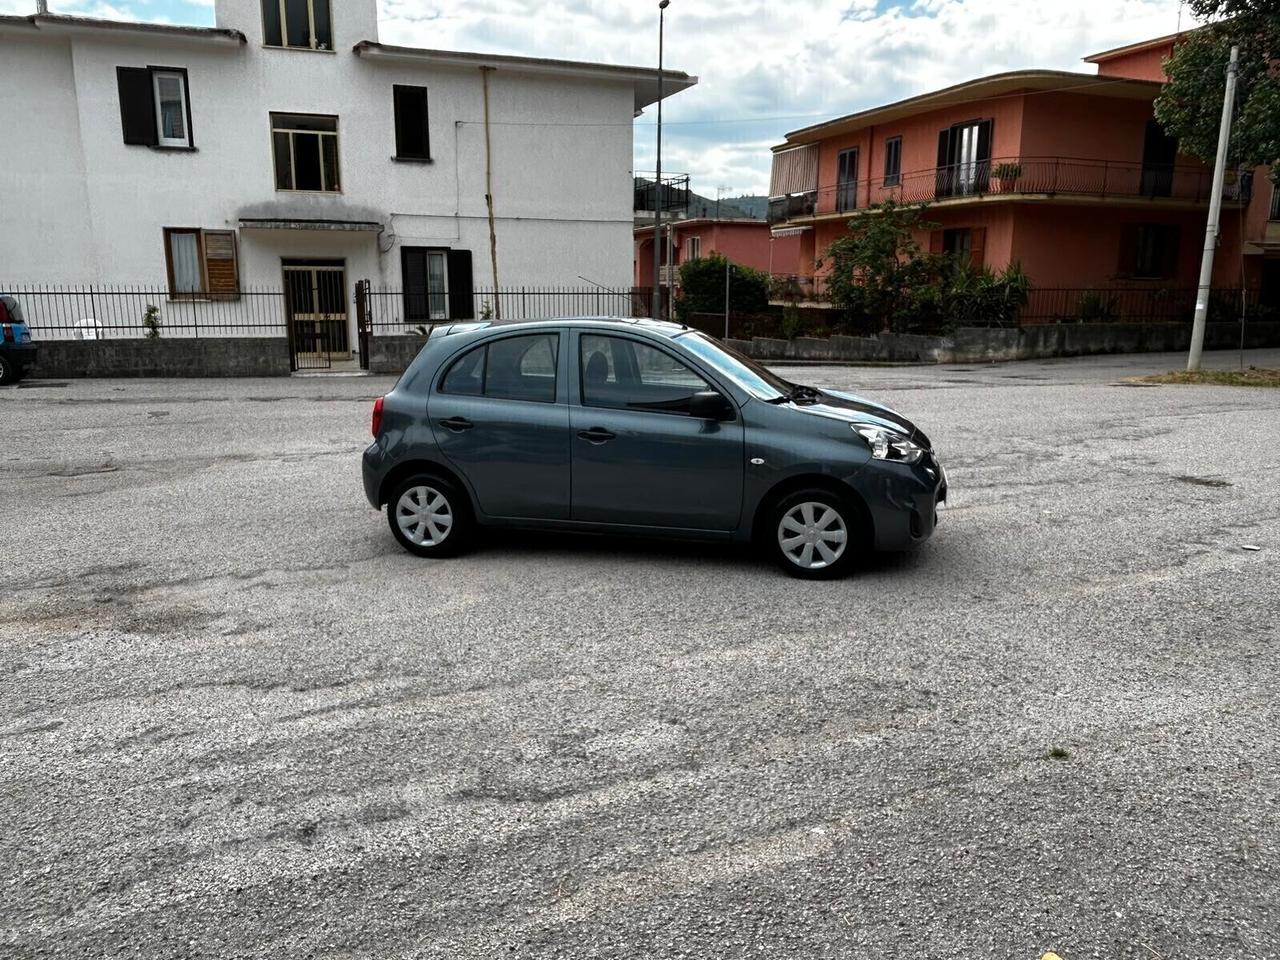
(1145, 64)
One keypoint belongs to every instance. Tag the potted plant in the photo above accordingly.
(1006, 176)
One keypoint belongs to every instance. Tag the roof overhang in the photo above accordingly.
(984, 88)
(57, 24)
(643, 80)
(1138, 47)
(279, 223)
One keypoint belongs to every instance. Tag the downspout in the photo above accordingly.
(488, 197)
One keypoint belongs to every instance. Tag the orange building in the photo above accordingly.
(1068, 174)
(748, 243)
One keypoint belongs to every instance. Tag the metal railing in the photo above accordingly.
(1150, 304)
(1020, 176)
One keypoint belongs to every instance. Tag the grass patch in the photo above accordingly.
(1252, 377)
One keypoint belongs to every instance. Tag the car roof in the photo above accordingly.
(660, 327)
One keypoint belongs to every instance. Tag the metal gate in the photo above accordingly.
(315, 294)
(363, 322)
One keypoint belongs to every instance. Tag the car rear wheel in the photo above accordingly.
(430, 517)
(815, 535)
(9, 372)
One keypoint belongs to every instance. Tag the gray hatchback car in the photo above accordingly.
(637, 426)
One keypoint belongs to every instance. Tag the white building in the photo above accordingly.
(287, 148)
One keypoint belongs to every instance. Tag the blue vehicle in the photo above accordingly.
(17, 352)
(637, 426)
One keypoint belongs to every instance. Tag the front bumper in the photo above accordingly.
(904, 501)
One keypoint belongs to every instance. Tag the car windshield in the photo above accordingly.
(744, 371)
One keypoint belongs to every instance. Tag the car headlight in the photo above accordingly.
(887, 445)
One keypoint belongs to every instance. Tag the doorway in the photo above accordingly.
(315, 294)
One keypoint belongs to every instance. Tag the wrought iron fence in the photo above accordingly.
(1132, 305)
(98, 311)
(391, 311)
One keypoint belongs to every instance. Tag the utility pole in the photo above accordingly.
(1215, 216)
(728, 271)
(657, 180)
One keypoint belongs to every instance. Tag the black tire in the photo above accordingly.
(408, 493)
(10, 373)
(847, 519)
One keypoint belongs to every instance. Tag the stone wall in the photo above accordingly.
(392, 355)
(215, 357)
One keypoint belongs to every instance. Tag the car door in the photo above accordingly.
(639, 458)
(499, 412)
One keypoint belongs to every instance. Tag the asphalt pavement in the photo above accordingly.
(236, 720)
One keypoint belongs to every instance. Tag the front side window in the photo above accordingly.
(625, 374)
(513, 368)
(306, 152)
(297, 23)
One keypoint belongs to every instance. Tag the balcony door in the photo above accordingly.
(964, 159)
(1159, 153)
(847, 181)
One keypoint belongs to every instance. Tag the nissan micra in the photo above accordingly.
(641, 427)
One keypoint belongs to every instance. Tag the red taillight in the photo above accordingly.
(8, 334)
(377, 417)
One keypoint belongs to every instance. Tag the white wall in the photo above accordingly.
(89, 209)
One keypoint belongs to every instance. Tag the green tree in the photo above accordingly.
(702, 288)
(877, 268)
(1190, 106)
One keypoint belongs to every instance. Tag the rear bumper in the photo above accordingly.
(904, 502)
(372, 472)
(20, 354)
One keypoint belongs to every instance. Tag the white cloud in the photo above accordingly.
(791, 61)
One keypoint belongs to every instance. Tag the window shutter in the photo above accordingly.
(413, 271)
(1128, 264)
(944, 175)
(413, 139)
(984, 156)
(137, 106)
(937, 241)
(461, 290)
(978, 246)
(222, 272)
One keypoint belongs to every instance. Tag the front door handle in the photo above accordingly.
(597, 435)
(457, 424)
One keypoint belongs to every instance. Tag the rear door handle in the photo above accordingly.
(597, 435)
(457, 424)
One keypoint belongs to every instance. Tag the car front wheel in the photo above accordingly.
(815, 535)
(430, 517)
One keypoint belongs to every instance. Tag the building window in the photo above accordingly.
(693, 248)
(201, 263)
(306, 152)
(957, 243)
(437, 284)
(1275, 202)
(1156, 254)
(847, 180)
(297, 23)
(893, 161)
(413, 138)
(964, 159)
(155, 107)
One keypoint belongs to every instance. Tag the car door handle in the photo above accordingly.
(597, 435)
(457, 424)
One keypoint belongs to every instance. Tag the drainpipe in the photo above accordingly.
(488, 197)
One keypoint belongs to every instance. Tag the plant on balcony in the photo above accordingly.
(702, 288)
(1189, 107)
(1006, 176)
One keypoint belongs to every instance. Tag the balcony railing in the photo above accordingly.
(1022, 176)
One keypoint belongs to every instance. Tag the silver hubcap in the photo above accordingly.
(813, 535)
(424, 516)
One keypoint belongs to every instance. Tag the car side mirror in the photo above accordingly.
(710, 405)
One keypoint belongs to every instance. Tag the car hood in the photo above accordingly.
(854, 409)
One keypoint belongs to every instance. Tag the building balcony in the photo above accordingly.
(1023, 178)
(671, 197)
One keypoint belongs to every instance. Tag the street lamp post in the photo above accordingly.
(657, 180)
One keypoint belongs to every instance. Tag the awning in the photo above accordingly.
(363, 226)
(794, 171)
(789, 231)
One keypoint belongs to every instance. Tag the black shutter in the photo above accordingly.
(137, 106)
(1172, 241)
(1128, 263)
(944, 173)
(461, 290)
(413, 141)
(984, 156)
(413, 271)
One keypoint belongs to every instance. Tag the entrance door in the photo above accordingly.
(1159, 153)
(315, 293)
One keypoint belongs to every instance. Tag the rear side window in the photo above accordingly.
(514, 368)
(10, 310)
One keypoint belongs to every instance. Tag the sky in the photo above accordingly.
(765, 67)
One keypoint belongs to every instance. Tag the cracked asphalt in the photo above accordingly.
(237, 721)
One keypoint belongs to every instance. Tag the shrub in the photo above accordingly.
(702, 288)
